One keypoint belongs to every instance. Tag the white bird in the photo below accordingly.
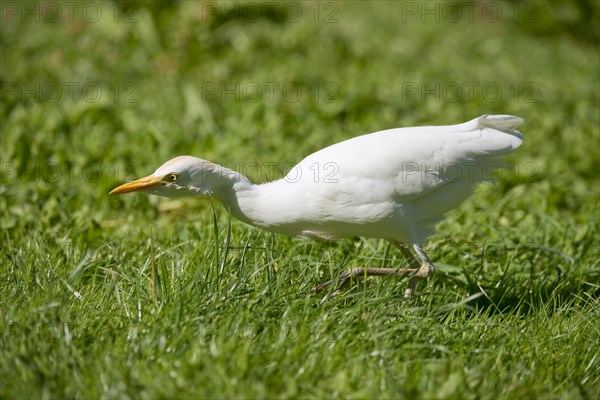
(394, 184)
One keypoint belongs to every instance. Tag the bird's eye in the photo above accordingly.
(173, 177)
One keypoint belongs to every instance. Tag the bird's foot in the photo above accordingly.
(422, 273)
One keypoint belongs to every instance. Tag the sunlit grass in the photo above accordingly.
(141, 297)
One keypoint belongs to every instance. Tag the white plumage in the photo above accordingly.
(394, 184)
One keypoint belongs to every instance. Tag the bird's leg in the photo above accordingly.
(416, 272)
(422, 271)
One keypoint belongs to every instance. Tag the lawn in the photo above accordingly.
(144, 297)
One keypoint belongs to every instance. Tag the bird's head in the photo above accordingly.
(182, 176)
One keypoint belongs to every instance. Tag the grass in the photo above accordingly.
(141, 297)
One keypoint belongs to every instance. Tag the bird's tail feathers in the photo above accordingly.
(500, 122)
(497, 134)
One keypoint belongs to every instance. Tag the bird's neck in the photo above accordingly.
(231, 195)
(259, 205)
(231, 188)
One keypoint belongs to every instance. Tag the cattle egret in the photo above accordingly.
(394, 184)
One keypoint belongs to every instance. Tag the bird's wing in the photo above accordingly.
(408, 163)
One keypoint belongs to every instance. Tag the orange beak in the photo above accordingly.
(142, 184)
